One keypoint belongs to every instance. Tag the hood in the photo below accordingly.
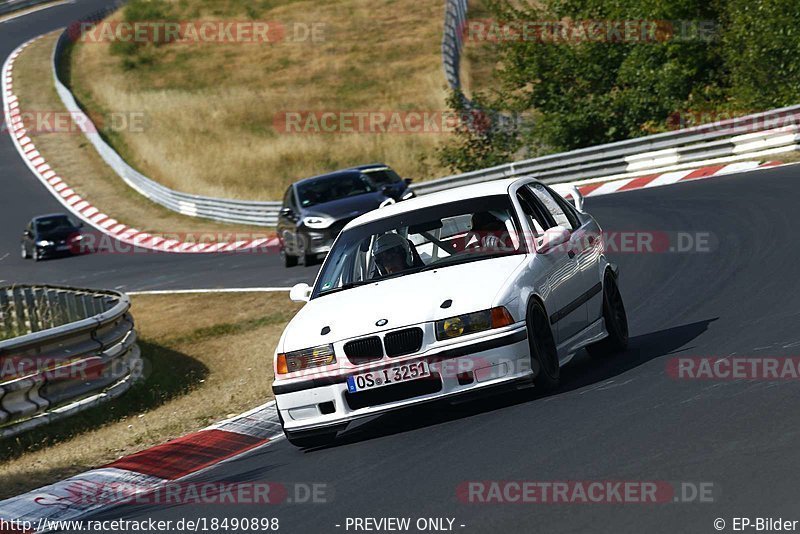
(402, 301)
(58, 234)
(348, 207)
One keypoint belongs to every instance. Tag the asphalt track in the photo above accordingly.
(622, 419)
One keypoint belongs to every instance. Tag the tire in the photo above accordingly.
(24, 251)
(289, 261)
(544, 355)
(615, 319)
(36, 256)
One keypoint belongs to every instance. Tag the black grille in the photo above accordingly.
(403, 342)
(395, 392)
(367, 349)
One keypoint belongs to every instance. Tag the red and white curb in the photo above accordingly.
(595, 187)
(82, 208)
(142, 473)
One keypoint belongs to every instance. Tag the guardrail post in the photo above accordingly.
(31, 310)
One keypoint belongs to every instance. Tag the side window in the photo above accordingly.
(551, 204)
(569, 209)
(537, 216)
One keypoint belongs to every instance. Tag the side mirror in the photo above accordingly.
(300, 293)
(80, 224)
(286, 212)
(28, 233)
(408, 181)
(553, 237)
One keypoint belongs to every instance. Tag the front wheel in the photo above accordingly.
(288, 261)
(544, 355)
(24, 252)
(36, 254)
(615, 319)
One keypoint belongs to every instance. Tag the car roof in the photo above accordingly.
(49, 216)
(335, 174)
(483, 189)
(344, 172)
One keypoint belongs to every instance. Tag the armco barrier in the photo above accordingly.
(67, 350)
(455, 18)
(756, 136)
(15, 5)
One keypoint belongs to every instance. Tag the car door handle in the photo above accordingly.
(571, 254)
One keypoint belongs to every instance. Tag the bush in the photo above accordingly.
(705, 56)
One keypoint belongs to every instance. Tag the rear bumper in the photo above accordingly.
(324, 402)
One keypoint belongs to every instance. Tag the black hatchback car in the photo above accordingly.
(316, 209)
(51, 235)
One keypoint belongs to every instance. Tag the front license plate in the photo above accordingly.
(388, 376)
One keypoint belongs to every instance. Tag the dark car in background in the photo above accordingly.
(316, 209)
(49, 236)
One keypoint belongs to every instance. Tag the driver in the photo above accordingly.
(392, 254)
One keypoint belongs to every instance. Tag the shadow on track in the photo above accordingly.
(581, 372)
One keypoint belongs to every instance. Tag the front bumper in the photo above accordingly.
(324, 401)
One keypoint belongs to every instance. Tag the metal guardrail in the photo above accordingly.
(742, 138)
(455, 18)
(731, 140)
(66, 350)
(15, 5)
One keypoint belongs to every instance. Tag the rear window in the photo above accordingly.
(383, 177)
(54, 223)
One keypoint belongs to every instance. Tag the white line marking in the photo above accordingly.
(200, 291)
(35, 10)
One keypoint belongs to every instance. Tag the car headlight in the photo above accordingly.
(461, 325)
(44, 243)
(314, 221)
(298, 360)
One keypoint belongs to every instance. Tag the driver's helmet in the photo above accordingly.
(392, 253)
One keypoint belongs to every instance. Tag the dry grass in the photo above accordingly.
(197, 372)
(71, 155)
(210, 108)
(479, 58)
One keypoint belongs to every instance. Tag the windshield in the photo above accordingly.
(324, 190)
(438, 236)
(383, 176)
(53, 224)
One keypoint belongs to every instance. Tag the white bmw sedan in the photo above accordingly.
(448, 294)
